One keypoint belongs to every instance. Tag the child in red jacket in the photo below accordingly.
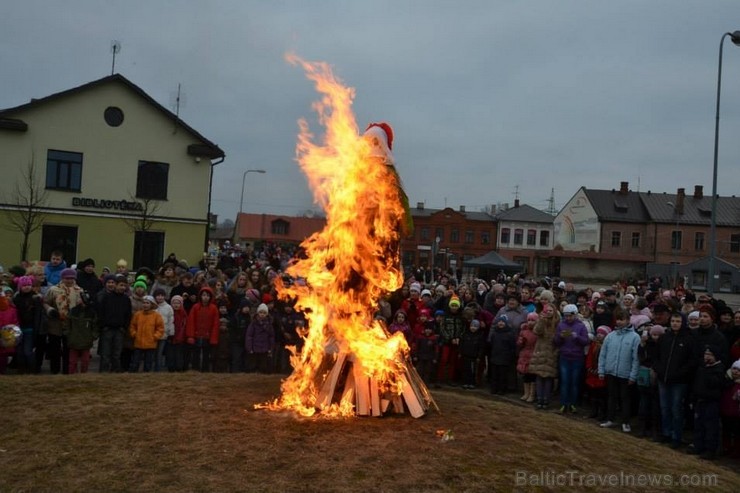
(202, 331)
(176, 343)
(596, 386)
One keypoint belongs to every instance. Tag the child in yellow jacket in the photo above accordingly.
(146, 329)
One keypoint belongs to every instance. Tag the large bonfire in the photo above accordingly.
(349, 364)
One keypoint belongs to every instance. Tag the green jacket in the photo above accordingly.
(80, 330)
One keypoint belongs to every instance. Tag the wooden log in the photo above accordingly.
(414, 405)
(374, 398)
(348, 395)
(326, 394)
(362, 391)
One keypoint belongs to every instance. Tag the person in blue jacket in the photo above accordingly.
(619, 364)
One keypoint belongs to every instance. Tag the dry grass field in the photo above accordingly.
(200, 432)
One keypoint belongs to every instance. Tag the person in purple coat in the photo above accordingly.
(260, 339)
(571, 336)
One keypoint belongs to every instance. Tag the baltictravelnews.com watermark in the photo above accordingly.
(616, 479)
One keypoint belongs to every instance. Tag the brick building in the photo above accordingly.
(445, 238)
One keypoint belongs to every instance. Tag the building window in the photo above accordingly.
(485, 237)
(148, 249)
(505, 236)
(735, 243)
(469, 237)
(425, 234)
(518, 236)
(280, 227)
(545, 238)
(62, 238)
(64, 170)
(408, 258)
(616, 238)
(151, 181)
(675, 240)
(439, 233)
(635, 240)
(699, 241)
(531, 237)
(455, 236)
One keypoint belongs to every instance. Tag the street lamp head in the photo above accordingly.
(735, 37)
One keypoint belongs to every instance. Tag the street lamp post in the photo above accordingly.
(244, 177)
(735, 38)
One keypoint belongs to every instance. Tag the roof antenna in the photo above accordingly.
(115, 47)
(551, 203)
(176, 101)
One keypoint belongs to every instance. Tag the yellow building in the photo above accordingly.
(116, 175)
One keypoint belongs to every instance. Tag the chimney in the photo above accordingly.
(680, 196)
(462, 208)
(624, 187)
(516, 203)
(698, 192)
(493, 208)
(420, 206)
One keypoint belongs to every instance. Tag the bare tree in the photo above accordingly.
(27, 201)
(142, 218)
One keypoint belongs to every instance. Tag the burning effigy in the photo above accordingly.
(349, 364)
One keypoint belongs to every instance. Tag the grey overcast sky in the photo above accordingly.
(487, 98)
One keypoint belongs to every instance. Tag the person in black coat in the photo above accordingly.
(709, 335)
(674, 366)
(502, 343)
(88, 280)
(472, 346)
(707, 388)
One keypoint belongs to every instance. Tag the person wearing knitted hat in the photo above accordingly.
(187, 289)
(596, 386)
(202, 331)
(259, 341)
(114, 317)
(8, 317)
(707, 391)
(502, 354)
(525, 344)
(30, 309)
(571, 336)
(472, 348)
(647, 385)
(619, 366)
(146, 329)
(176, 343)
(413, 305)
(544, 362)
(451, 330)
(692, 319)
(87, 279)
(168, 316)
(58, 301)
(730, 412)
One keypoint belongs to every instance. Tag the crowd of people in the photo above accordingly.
(634, 354)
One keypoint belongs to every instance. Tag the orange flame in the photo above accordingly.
(351, 263)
